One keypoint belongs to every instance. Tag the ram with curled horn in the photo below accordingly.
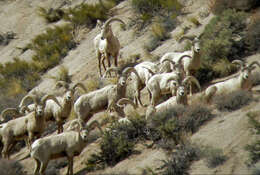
(67, 144)
(105, 98)
(191, 62)
(107, 45)
(181, 97)
(243, 80)
(27, 127)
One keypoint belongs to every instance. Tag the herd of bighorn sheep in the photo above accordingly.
(172, 75)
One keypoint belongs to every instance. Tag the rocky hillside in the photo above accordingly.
(227, 35)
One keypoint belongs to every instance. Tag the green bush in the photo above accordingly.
(51, 15)
(180, 161)
(214, 157)
(253, 33)
(51, 46)
(218, 40)
(232, 101)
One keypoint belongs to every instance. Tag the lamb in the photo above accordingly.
(180, 98)
(95, 101)
(27, 127)
(241, 82)
(107, 44)
(67, 144)
(191, 63)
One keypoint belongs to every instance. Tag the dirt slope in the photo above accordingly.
(228, 131)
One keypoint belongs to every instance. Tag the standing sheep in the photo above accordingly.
(26, 127)
(95, 101)
(67, 144)
(107, 44)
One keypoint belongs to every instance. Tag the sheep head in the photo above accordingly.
(106, 30)
(245, 70)
(13, 111)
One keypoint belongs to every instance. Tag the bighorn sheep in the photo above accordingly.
(180, 98)
(26, 127)
(95, 101)
(241, 82)
(107, 44)
(161, 84)
(192, 61)
(54, 112)
(67, 144)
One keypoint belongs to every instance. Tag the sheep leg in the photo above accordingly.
(7, 142)
(37, 167)
(115, 57)
(70, 166)
(99, 63)
(138, 98)
(43, 167)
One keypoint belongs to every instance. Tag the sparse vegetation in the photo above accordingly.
(194, 21)
(253, 148)
(213, 157)
(233, 101)
(253, 33)
(51, 15)
(63, 75)
(5, 38)
(180, 160)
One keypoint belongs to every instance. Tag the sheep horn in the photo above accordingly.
(192, 79)
(128, 70)
(124, 101)
(9, 110)
(253, 63)
(62, 84)
(239, 62)
(32, 97)
(47, 97)
(173, 79)
(93, 124)
(149, 70)
(81, 85)
(191, 38)
(115, 69)
(172, 62)
(183, 56)
(111, 20)
(75, 122)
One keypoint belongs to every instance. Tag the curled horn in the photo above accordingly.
(253, 63)
(192, 79)
(94, 124)
(128, 70)
(32, 97)
(239, 62)
(62, 84)
(149, 70)
(47, 97)
(78, 124)
(115, 69)
(111, 20)
(79, 85)
(124, 101)
(172, 62)
(9, 110)
(174, 80)
(183, 56)
(191, 38)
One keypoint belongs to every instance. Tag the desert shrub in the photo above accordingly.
(51, 46)
(194, 21)
(256, 171)
(253, 148)
(253, 33)
(117, 143)
(180, 161)
(6, 37)
(63, 75)
(147, 10)
(51, 15)
(170, 127)
(10, 167)
(213, 156)
(232, 101)
(218, 6)
(87, 14)
(218, 40)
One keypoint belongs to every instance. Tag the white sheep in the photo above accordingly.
(27, 127)
(192, 61)
(180, 98)
(95, 101)
(107, 44)
(241, 82)
(67, 144)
